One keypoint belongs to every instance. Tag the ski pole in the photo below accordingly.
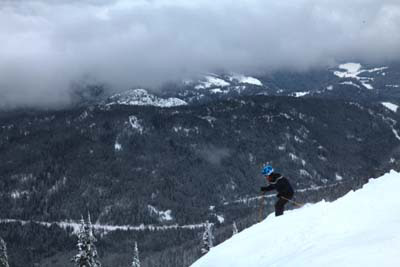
(261, 207)
(294, 202)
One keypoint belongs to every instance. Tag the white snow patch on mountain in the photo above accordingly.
(134, 122)
(391, 106)
(18, 194)
(211, 82)
(338, 177)
(117, 146)
(218, 91)
(300, 94)
(377, 69)
(162, 215)
(350, 83)
(353, 71)
(245, 79)
(293, 156)
(140, 97)
(360, 229)
(367, 85)
(396, 133)
(220, 218)
(210, 119)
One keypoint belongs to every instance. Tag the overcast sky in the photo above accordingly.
(46, 45)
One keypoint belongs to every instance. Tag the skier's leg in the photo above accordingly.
(280, 206)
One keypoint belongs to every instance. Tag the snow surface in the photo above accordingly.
(162, 215)
(390, 106)
(300, 94)
(135, 124)
(245, 79)
(117, 146)
(353, 70)
(211, 82)
(350, 83)
(220, 218)
(140, 97)
(360, 229)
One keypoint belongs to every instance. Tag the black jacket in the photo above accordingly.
(280, 184)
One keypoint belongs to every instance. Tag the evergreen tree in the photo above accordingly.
(234, 229)
(208, 238)
(136, 260)
(92, 248)
(3, 254)
(87, 254)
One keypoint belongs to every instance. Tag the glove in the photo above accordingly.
(263, 189)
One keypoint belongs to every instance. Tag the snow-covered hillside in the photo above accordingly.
(141, 97)
(354, 70)
(360, 229)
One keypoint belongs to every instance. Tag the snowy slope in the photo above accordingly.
(360, 229)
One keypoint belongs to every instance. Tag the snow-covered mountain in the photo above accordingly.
(213, 86)
(359, 229)
(353, 81)
(353, 71)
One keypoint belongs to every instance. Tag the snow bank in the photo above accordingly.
(360, 229)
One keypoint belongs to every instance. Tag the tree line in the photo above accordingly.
(87, 255)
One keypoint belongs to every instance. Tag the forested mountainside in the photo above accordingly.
(133, 165)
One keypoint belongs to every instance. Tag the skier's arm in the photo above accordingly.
(267, 188)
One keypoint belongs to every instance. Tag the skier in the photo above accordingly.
(279, 183)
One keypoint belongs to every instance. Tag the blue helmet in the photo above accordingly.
(267, 170)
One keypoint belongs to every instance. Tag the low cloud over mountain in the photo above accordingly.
(47, 45)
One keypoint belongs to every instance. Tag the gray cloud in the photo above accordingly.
(47, 45)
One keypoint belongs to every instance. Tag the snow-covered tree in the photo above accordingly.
(94, 256)
(208, 239)
(136, 260)
(81, 259)
(3, 254)
(234, 229)
(87, 254)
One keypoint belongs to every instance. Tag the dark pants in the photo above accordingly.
(280, 206)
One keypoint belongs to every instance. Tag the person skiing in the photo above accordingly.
(281, 185)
